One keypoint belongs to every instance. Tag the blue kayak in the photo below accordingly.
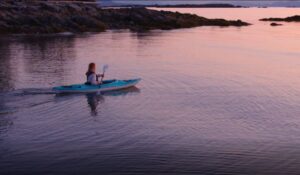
(107, 85)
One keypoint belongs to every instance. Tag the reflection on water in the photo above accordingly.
(6, 67)
(213, 101)
(33, 56)
(93, 101)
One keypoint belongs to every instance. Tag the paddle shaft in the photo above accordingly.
(102, 76)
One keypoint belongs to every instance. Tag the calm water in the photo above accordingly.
(212, 100)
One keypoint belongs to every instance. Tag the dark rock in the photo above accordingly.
(295, 18)
(53, 17)
(275, 24)
(49, 7)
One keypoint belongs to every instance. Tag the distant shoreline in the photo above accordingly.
(213, 5)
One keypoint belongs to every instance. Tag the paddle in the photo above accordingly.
(103, 69)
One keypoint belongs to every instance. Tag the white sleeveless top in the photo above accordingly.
(92, 79)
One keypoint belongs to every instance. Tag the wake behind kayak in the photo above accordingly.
(107, 85)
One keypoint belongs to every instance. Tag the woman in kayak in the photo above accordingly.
(91, 76)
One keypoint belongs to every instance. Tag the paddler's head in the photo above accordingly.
(92, 67)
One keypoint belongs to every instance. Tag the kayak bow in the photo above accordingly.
(107, 85)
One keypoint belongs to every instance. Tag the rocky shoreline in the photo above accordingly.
(295, 18)
(44, 17)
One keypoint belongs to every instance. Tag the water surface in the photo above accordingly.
(212, 100)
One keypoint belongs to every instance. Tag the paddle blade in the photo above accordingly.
(105, 67)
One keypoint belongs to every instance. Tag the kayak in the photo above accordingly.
(107, 85)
